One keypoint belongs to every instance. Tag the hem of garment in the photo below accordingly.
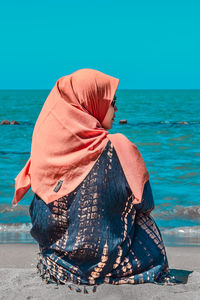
(164, 278)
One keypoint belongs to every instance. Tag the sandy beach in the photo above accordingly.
(19, 279)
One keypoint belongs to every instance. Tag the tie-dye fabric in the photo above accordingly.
(95, 234)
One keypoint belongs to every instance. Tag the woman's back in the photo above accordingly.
(82, 218)
(90, 232)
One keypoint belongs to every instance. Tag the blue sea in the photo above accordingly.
(165, 126)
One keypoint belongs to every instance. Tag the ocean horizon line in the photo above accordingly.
(122, 89)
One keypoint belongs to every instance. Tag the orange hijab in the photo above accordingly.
(68, 138)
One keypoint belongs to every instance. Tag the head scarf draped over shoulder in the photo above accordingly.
(68, 138)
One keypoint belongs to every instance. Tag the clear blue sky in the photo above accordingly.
(147, 44)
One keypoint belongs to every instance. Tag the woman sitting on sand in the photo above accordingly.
(91, 209)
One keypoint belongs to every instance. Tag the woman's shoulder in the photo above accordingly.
(132, 163)
(119, 140)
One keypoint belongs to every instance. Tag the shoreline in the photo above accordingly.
(174, 237)
(19, 279)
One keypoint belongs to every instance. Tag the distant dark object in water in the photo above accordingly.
(6, 122)
(183, 122)
(123, 122)
(13, 122)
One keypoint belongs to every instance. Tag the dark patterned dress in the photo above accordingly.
(95, 234)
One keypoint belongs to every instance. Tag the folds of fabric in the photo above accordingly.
(22, 183)
(68, 139)
(132, 163)
(95, 234)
